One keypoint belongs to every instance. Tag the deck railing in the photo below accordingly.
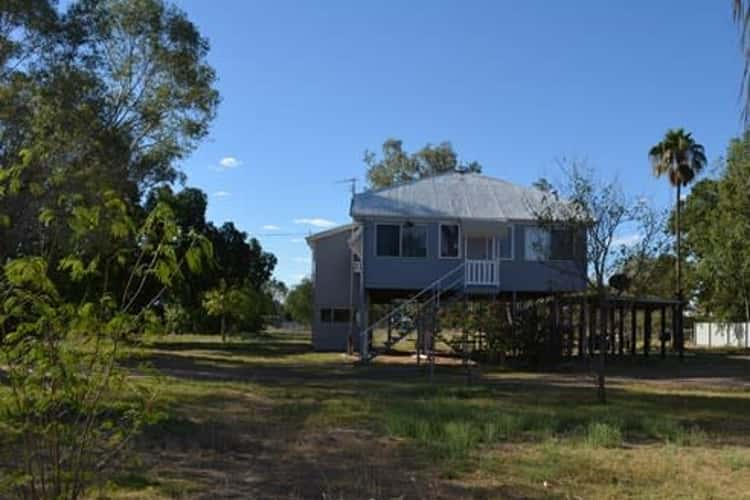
(482, 273)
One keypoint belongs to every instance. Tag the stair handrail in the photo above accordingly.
(434, 298)
(415, 298)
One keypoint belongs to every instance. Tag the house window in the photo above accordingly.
(413, 241)
(341, 315)
(536, 244)
(387, 240)
(505, 243)
(449, 240)
(328, 315)
(562, 244)
(479, 247)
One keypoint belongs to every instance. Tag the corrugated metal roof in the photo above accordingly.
(454, 195)
(330, 232)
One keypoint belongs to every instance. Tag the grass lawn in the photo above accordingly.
(269, 418)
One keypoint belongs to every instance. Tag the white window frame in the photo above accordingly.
(400, 238)
(426, 242)
(512, 229)
(543, 254)
(440, 241)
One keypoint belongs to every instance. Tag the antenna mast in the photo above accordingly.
(352, 181)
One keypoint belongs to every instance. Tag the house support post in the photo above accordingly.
(647, 331)
(612, 343)
(621, 330)
(582, 329)
(592, 328)
(390, 324)
(675, 313)
(364, 335)
(633, 328)
(663, 335)
(680, 333)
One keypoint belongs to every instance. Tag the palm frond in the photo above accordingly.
(678, 157)
(741, 16)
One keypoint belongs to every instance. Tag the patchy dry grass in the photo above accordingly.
(266, 417)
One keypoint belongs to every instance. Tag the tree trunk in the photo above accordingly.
(223, 328)
(680, 332)
(679, 245)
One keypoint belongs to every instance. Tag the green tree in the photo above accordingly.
(97, 105)
(716, 235)
(243, 306)
(299, 302)
(397, 166)
(680, 159)
(597, 210)
(240, 262)
(70, 412)
(120, 93)
(221, 302)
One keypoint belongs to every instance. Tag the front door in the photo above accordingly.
(482, 269)
(480, 248)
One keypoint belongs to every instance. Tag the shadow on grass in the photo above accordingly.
(353, 431)
(273, 452)
(252, 347)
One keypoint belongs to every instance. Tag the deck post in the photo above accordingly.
(612, 342)
(390, 324)
(592, 327)
(621, 330)
(557, 329)
(582, 328)
(604, 328)
(364, 341)
(680, 333)
(662, 337)
(674, 329)
(647, 331)
(633, 328)
(571, 331)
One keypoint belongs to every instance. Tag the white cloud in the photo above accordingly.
(627, 240)
(316, 221)
(297, 240)
(302, 260)
(229, 162)
(222, 194)
(271, 227)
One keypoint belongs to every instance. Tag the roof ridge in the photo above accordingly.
(415, 181)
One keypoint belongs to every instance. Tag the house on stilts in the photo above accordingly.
(439, 239)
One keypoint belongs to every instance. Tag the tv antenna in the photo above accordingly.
(352, 181)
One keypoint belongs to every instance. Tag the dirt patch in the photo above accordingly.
(253, 461)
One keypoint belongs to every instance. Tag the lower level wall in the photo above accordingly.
(333, 336)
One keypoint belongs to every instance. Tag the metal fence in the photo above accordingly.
(722, 334)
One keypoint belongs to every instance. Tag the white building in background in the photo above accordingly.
(722, 335)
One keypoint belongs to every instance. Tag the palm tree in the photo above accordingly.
(680, 158)
(741, 11)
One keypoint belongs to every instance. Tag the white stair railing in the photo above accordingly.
(448, 281)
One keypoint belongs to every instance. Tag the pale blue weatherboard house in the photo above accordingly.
(463, 231)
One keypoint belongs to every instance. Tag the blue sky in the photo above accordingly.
(307, 87)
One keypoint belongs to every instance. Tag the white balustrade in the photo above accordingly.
(482, 272)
